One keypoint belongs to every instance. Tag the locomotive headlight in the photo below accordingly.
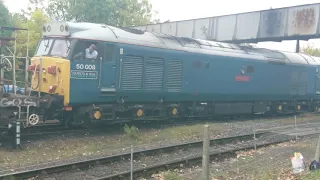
(62, 28)
(49, 28)
(298, 107)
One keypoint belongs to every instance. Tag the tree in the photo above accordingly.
(58, 10)
(34, 23)
(33, 6)
(310, 50)
(5, 17)
(112, 12)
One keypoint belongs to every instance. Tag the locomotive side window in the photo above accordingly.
(86, 51)
(250, 69)
(78, 51)
(110, 52)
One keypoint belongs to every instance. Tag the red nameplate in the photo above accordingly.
(242, 78)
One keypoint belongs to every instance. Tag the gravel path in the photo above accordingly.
(64, 150)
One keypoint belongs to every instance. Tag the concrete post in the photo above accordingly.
(131, 165)
(205, 156)
(316, 156)
(295, 124)
(254, 140)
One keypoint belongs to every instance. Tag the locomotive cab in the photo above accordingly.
(60, 62)
(50, 67)
(101, 70)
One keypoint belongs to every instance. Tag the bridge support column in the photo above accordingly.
(298, 46)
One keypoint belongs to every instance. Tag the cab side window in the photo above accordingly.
(86, 50)
(79, 50)
(110, 50)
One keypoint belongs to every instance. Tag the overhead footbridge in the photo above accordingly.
(290, 23)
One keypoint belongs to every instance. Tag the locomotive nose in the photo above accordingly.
(48, 74)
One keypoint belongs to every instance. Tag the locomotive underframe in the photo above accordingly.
(121, 111)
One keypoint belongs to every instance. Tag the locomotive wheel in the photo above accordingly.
(33, 119)
(78, 120)
(174, 111)
(298, 107)
(139, 112)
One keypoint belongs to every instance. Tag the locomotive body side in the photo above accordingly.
(146, 75)
(139, 76)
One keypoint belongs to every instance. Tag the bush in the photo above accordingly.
(132, 132)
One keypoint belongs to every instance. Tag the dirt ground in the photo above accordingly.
(63, 149)
(269, 163)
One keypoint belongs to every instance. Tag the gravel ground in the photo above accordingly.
(63, 150)
(272, 162)
(118, 167)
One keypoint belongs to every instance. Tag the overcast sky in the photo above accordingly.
(175, 10)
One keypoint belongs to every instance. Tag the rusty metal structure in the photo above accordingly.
(11, 56)
(290, 23)
(11, 100)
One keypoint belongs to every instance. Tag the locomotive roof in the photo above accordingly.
(101, 32)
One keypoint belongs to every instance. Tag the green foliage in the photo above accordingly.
(131, 132)
(311, 50)
(5, 18)
(9, 178)
(112, 12)
(59, 10)
(34, 24)
(311, 175)
(38, 12)
(169, 175)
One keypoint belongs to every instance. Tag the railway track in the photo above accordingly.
(219, 148)
(51, 131)
(55, 127)
(124, 156)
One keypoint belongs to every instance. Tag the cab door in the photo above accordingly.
(108, 70)
(84, 73)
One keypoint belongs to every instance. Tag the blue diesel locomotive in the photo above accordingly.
(94, 72)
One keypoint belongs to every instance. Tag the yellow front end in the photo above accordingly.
(51, 75)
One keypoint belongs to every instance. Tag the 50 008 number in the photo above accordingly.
(86, 66)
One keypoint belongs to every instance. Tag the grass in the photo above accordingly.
(314, 175)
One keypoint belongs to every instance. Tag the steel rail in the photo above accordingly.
(195, 160)
(120, 157)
